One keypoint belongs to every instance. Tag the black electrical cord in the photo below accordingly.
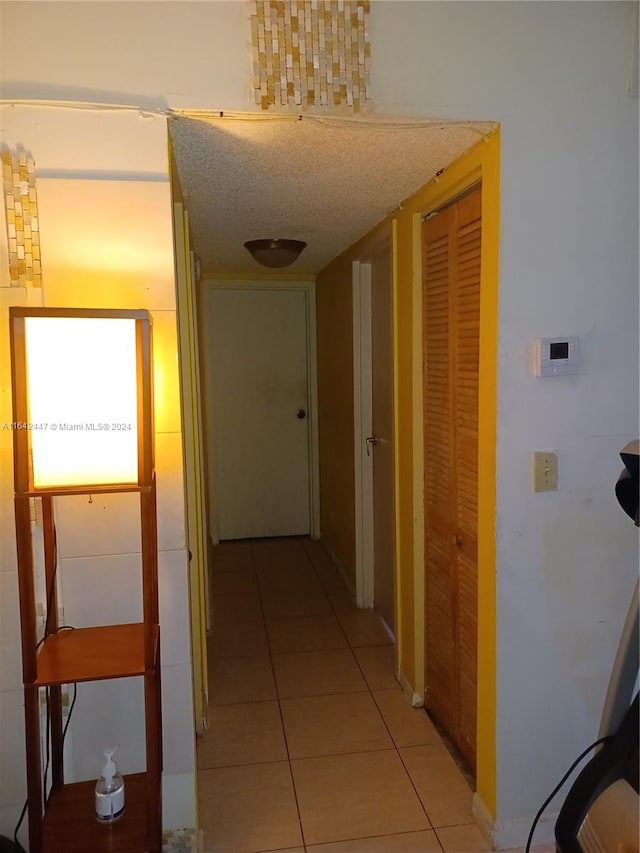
(66, 725)
(46, 770)
(64, 734)
(48, 745)
(46, 634)
(52, 587)
(560, 784)
(18, 825)
(64, 731)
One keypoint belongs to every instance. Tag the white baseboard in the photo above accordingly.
(506, 835)
(178, 800)
(415, 699)
(345, 577)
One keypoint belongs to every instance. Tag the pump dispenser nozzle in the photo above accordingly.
(109, 767)
(109, 790)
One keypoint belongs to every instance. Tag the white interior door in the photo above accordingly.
(259, 353)
(373, 420)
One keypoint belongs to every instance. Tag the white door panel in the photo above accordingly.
(373, 419)
(259, 352)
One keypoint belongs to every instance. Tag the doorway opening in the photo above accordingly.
(374, 444)
(451, 244)
(329, 187)
(261, 397)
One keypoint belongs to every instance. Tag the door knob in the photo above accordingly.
(456, 540)
(301, 414)
(371, 441)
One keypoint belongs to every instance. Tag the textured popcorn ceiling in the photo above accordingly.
(327, 181)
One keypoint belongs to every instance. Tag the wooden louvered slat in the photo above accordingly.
(451, 327)
(440, 638)
(467, 652)
(467, 352)
(440, 633)
(436, 319)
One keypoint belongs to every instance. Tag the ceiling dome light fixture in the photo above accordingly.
(275, 253)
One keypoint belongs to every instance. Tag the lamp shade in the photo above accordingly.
(275, 253)
(77, 397)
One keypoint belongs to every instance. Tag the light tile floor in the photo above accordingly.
(311, 744)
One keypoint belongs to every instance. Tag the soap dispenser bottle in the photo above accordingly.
(109, 791)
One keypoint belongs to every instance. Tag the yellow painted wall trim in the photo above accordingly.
(400, 637)
(194, 509)
(482, 162)
(418, 461)
(487, 422)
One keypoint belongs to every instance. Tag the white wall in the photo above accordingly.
(179, 53)
(555, 75)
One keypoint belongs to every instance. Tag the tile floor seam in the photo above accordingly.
(397, 751)
(340, 754)
(275, 680)
(310, 651)
(438, 834)
(331, 605)
(413, 785)
(247, 702)
(379, 835)
(370, 691)
(335, 614)
(320, 695)
(245, 764)
(367, 689)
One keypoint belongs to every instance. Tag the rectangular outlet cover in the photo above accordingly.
(545, 471)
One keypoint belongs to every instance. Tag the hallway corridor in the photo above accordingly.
(311, 745)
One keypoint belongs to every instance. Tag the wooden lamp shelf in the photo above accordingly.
(70, 824)
(67, 491)
(69, 656)
(93, 654)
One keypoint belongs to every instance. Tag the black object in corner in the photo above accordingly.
(8, 846)
(617, 759)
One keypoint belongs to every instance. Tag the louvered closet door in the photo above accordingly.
(451, 322)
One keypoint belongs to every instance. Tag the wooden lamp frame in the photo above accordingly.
(63, 819)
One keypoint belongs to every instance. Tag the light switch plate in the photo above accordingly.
(545, 471)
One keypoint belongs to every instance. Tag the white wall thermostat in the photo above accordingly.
(556, 356)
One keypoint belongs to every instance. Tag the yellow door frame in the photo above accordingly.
(481, 163)
(194, 475)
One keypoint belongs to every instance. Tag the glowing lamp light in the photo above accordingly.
(80, 398)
